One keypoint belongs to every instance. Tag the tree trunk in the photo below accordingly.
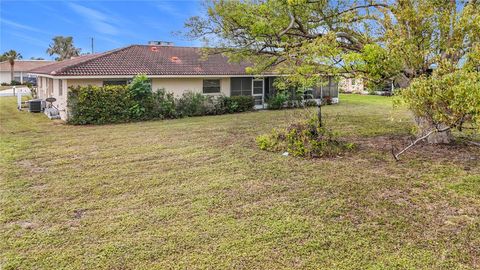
(425, 126)
(11, 72)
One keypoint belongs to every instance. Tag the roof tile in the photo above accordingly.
(136, 59)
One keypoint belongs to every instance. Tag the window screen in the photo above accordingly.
(211, 86)
(241, 86)
(119, 82)
(60, 87)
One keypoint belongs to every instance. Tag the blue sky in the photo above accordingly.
(28, 26)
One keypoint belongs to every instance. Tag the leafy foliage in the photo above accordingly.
(99, 105)
(238, 104)
(140, 90)
(116, 104)
(305, 139)
(63, 47)
(449, 98)
(195, 104)
(11, 56)
(161, 105)
(278, 100)
(378, 41)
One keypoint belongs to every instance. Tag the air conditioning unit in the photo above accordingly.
(36, 105)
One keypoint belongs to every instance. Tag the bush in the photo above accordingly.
(161, 105)
(15, 83)
(99, 105)
(194, 104)
(238, 104)
(116, 104)
(305, 139)
(140, 91)
(278, 101)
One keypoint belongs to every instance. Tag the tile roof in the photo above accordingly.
(24, 65)
(146, 59)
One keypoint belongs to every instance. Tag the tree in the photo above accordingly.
(11, 56)
(63, 47)
(377, 41)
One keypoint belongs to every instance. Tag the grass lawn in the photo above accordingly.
(197, 193)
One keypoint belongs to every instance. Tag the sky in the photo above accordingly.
(29, 26)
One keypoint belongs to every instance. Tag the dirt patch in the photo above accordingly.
(32, 168)
(469, 155)
(79, 213)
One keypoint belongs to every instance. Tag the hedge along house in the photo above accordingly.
(174, 69)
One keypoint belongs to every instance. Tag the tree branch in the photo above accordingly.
(418, 140)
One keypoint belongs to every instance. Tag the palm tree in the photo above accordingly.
(63, 47)
(11, 56)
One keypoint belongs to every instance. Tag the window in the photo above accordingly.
(353, 82)
(211, 86)
(60, 87)
(50, 87)
(118, 82)
(241, 86)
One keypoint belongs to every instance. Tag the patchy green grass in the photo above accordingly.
(197, 193)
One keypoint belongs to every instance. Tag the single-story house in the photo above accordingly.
(352, 85)
(173, 68)
(21, 70)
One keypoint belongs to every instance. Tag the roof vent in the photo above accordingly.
(175, 59)
(160, 43)
(154, 49)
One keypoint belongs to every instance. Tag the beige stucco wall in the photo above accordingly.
(5, 77)
(51, 88)
(93, 82)
(346, 85)
(178, 86)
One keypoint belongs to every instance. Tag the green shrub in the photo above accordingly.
(278, 101)
(305, 139)
(15, 83)
(117, 104)
(99, 105)
(238, 104)
(161, 105)
(193, 104)
(140, 91)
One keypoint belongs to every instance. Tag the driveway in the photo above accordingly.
(9, 92)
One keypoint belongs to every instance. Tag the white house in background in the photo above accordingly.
(21, 70)
(352, 85)
(175, 69)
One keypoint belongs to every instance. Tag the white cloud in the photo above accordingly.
(98, 20)
(170, 9)
(31, 40)
(21, 26)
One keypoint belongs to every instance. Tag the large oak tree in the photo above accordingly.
(376, 40)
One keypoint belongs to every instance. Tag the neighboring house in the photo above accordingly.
(352, 85)
(21, 70)
(175, 69)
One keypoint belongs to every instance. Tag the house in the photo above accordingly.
(173, 68)
(352, 85)
(21, 70)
